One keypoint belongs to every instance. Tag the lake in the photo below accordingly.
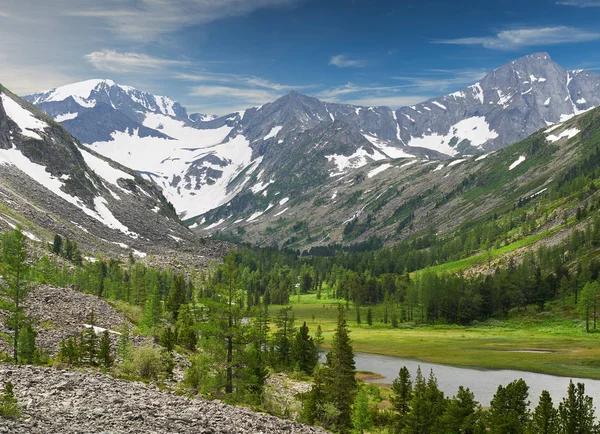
(482, 382)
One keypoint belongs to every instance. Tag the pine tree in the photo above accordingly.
(104, 353)
(176, 296)
(401, 395)
(14, 269)
(168, 338)
(361, 415)
(26, 346)
(9, 407)
(304, 351)
(319, 339)
(340, 379)
(69, 351)
(186, 328)
(57, 245)
(576, 411)
(508, 413)
(545, 417)
(284, 337)
(369, 317)
(89, 341)
(461, 415)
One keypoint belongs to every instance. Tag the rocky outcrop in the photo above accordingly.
(54, 401)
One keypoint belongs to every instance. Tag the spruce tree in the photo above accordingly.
(461, 415)
(340, 380)
(304, 351)
(544, 419)
(401, 395)
(319, 339)
(508, 413)
(576, 411)
(284, 338)
(26, 345)
(104, 353)
(361, 415)
(14, 269)
(8, 403)
(57, 245)
(369, 317)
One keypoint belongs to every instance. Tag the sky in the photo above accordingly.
(220, 56)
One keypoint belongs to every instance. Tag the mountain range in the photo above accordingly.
(266, 163)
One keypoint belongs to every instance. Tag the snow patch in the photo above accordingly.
(66, 117)
(360, 158)
(273, 133)
(284, 201)
(516, 163)
(26, 121)
(569, 134)
(379, 169)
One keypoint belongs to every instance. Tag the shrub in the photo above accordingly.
(147, 362)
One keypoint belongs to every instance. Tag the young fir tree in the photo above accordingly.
(186, 328)
(168, 338)
(369, 317)
(26, 350)
(361, 414)
(8, 403)
(104, 353)
(304, 351)
(427, 406)
(284, 338)
(544, 419)
(461, 415)
(576, 411)
(89, 341)
(401, 395)
(57, 245)
(508, 412)
(14, 269)
(69, 351)
(340, 380)
(319, 339)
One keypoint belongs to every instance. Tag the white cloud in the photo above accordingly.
(148, 19)
(390, 96)
(580, 3)
(341, 61)
(237, 79)
(4, 15)
(393, 102)
(441, 79)
(112, 61)
(512, 39)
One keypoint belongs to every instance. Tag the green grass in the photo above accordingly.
(491, 345)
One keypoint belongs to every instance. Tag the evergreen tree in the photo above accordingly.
(369, 317)
(186, 328)
(508, 413)
(304, 351)
(104, 353)
(89, 341)
(168, 338)
(14, 269)
(340, 380)
(177, 296)
(319, 339)
(26, 345)
(283, 338)
(427, 406)
(69, 351)
(576, 411)
(401, 395)
(461, 415)
(361, 415)
(544, 419)
(57, 245)
(9, 407)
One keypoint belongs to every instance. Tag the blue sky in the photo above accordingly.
(218, 56)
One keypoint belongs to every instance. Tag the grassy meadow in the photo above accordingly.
(493, 344)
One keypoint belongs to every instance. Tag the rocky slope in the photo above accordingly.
(395, 199)
(54, 401)
(258, 157)
(50, 184)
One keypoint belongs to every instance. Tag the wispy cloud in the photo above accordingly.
(113, 61)
(342, 61)
(147, 19)
(513, 39)
(442, 79)
(391, 96)
(580, 3)
(4, 15)
(238, 79)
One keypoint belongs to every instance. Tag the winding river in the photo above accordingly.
(482, 382)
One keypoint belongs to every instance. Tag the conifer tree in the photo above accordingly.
(340, 379)
(361, 415)
(26, 345)
(544, 419)
(576, 411)
(9, 407)
(104, 353)
(508, 413)
(304, 351)
(89, 341)
(57, 245)
(461, 415)
(401, 395)
(319, 339)
(284, 337)
(14, 269)
(369, 317)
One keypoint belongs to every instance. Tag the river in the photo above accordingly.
(482, 382)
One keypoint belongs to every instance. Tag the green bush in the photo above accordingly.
(147, 362)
